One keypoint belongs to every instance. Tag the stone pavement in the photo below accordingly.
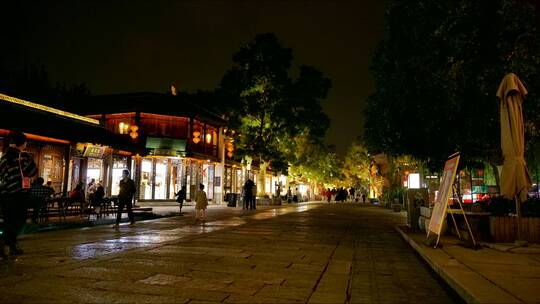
(486, 275)
(305, 253)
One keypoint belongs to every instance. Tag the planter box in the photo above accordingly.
(396, 207)
(503, 229)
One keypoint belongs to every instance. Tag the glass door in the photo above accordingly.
(161, 179)
(146, 179)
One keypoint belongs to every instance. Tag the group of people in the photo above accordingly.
(342, 195)
(21, 188)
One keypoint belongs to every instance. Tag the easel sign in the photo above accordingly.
(445, 190)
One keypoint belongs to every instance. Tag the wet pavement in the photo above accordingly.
(306, 253)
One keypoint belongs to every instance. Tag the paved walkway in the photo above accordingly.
(487, 275)
(306, 253)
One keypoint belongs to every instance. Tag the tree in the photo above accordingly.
(437, 71)
(269, 107)
(356, 166)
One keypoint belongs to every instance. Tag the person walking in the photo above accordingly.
(125, 198)
(201, 202)
(181, 197)
(16, 170)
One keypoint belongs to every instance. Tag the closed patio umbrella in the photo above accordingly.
(515, 179)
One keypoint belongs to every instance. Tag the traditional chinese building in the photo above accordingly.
(177, 142)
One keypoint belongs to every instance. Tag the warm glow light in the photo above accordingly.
(229, 154)
(123, 128)
(208, 138)
(196, 137)
(47, 109)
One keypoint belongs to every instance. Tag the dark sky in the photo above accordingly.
(128, 46)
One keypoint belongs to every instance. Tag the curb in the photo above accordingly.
(455, 285)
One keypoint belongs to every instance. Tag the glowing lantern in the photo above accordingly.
(208, 138)
(230, 149)
(133, 132)
(196, 137)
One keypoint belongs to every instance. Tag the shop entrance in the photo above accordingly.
(160, 178)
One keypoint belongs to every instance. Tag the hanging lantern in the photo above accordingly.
(196, 137)
(133, 132)
(208, 138)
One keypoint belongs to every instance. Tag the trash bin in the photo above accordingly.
(230, 198)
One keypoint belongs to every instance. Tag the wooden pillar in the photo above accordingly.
(137, 175)
(67, 169)
(153, 177)
(109, 174)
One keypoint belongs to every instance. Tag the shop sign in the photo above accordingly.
(163, 143)
(94, 151)
(79, 150)
(163, 152)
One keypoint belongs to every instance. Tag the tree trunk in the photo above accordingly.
(261, 178)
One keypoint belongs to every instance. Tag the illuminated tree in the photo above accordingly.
(268, 106)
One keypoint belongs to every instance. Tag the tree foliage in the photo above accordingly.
(356, 166)
(268, 106)
(437, 72)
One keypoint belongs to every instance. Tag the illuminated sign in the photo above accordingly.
(94, 151)
(47, 109)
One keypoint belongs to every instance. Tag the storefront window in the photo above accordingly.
(161, 179)
(175, 169)
(208, 180)
(119, 165)
(211, 182)
(239, 180)
(146, 179)
(95, 170)
(228, 179)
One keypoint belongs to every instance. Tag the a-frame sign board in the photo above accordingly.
(441, 204)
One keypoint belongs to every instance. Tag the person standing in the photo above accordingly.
(181, 197)
(289, 195)
(248, 194)
(253, 201)
(16, 170)
(201, 202)
(125, 198)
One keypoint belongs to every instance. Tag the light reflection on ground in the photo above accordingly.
(152, 237)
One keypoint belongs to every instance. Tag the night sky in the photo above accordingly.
(130, 46)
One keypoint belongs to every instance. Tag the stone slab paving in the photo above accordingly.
(485, 275)
(307, 253)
